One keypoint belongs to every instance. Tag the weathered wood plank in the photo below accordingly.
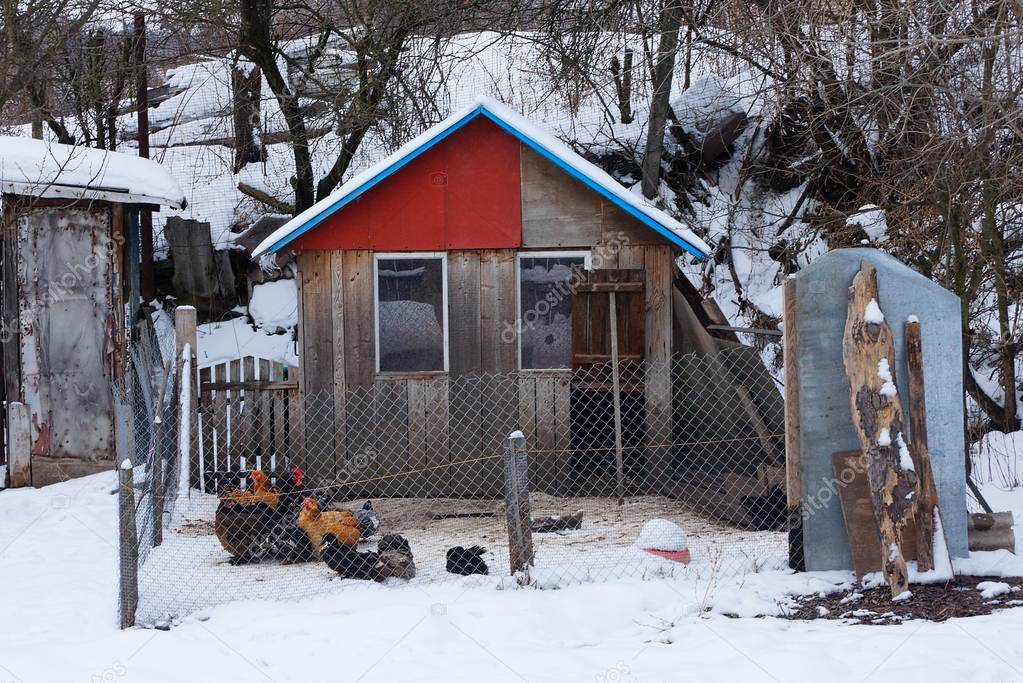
(248, 438)
(359, 329)
(527, 421)
(793, 476)
(417, 482)
(337, 289)
(498, 393)
(868, 353)
(464, 346)
(390, 412)
(218, 420)
(277, 416)
(557, 210)
(547, 470)
(437, 436)
(659, 267)
(928, 510)
(207, 456)
(563, 431)
(317, 363)
(465, 403)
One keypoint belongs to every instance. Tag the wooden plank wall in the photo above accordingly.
(449, 430)
(447, 424)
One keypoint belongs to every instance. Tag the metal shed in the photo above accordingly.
(69, 295)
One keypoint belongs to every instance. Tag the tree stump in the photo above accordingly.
(868, 353)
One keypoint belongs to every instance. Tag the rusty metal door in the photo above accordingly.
(65, 276)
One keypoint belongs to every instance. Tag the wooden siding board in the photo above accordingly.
(359, 325)
(547, 468)
(464, 345)
(416, 482)
(618, 226)
(337, 306)
(557, 210)
(438, 425)
(207, 458)
(659, 267)
(390, 413)
(498, 393)
(527, 421)
(317, 364)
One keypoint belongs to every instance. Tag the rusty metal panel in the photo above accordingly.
(66, 324)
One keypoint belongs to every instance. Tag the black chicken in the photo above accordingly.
(348, 562)
(466, 561)
(394, 542)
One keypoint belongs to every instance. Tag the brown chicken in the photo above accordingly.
(342, 524)
(244, 518)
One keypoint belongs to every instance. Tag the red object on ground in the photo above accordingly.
(463, 193)
(673, 555)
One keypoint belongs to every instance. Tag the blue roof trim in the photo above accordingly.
(669, 235)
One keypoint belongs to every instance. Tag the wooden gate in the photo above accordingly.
(249, 417)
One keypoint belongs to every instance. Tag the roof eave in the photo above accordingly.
(71, 192)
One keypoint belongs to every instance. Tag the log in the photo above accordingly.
(927, 505)
(868, 353)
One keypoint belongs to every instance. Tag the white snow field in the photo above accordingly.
(58, 562)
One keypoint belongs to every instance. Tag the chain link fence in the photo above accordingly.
(680, 472)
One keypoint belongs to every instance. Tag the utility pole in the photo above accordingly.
(148, 286)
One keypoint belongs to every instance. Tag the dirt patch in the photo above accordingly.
(933, 602)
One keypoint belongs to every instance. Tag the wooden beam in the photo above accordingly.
(19, 445)
(868, 353)
(609, 287)
(793, 459)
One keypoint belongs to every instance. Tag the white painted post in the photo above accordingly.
(185, 345)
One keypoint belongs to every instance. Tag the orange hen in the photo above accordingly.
(261, 492)
(317, 524)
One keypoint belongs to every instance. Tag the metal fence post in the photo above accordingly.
(516, 482)
(128, 536)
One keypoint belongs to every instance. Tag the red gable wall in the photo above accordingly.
(464, 193)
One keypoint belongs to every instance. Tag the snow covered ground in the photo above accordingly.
(58, 561)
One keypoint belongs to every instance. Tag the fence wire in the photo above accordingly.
(291, 493)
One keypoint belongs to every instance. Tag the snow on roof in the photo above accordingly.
(44, 169)
(538, 139)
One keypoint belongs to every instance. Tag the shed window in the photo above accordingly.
(545, 308)
(411, 313)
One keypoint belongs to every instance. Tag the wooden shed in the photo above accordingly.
(70, 295)
(451, 258)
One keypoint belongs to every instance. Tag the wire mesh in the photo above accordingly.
(292, 493)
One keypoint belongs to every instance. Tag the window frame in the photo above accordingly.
(442, 256)
(587, 256)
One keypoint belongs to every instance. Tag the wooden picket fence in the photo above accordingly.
(249, 417)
